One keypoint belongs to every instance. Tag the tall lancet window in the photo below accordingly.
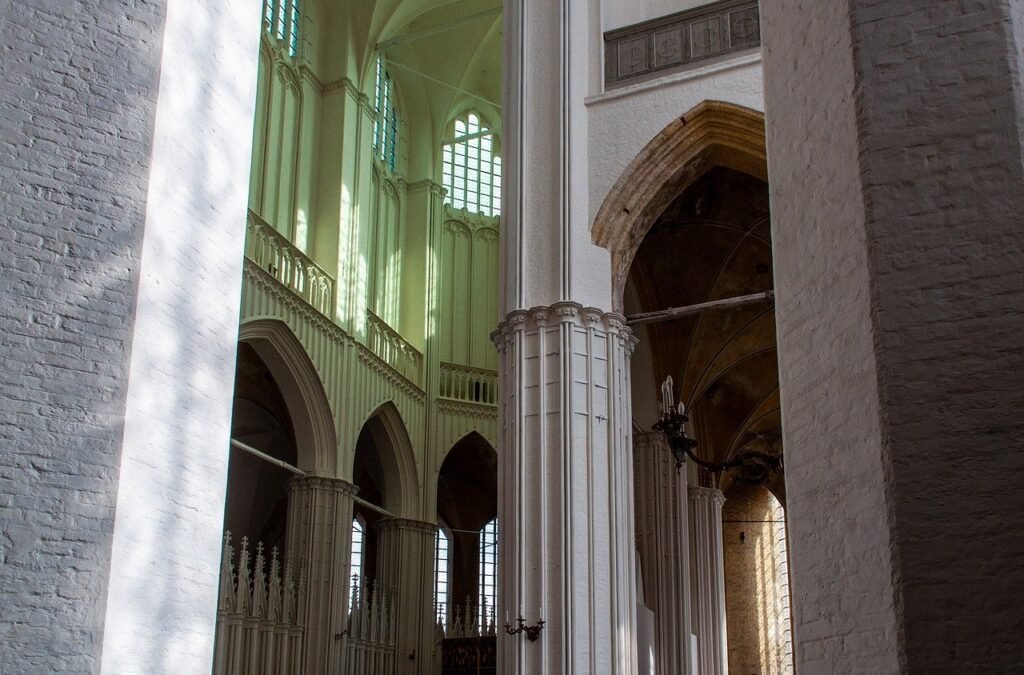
(471, 168)
(385, 129)
(356, 560)
(442, 558)
(488, 572)
(281, 20)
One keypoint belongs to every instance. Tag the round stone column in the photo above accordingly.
(406, 570)
(663, 541)
(319, 543)
(566, 543)
(707, 576)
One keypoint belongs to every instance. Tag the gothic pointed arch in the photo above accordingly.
(713, 133)
(384, 434)
(303, 391)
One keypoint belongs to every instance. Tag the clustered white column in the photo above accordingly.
(407, 572)
(319, 544)
(663, 542)
(708, 579)
(566, 495)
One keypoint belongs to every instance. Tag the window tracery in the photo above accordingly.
(356, 559)
(488, 571)
(471, 167)
(442, 558)
(281, 19)
(385, 128)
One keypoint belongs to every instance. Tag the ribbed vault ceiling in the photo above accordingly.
(714, 242)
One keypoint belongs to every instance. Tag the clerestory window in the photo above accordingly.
(281, 19)
(471, 168)
(385, 129)
(488, 572)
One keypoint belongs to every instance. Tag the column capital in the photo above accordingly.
(303, 483)
(566, 311)
(706, 494)
(649, 438)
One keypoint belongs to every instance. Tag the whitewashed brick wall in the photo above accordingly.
(120, 254)
(77, 99)
(897, 198)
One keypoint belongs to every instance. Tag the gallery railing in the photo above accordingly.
(390, 347)
(466, 383)
(285, 262)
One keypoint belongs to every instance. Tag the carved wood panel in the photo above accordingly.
(679, 41)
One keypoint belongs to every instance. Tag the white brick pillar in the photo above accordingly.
(406, 569)
(707, 576)
(319, 544)
(894, 134)
(662, 537)
(565, 499)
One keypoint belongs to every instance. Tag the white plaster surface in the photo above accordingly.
(622, 13)
(623, 121)
(163, 580)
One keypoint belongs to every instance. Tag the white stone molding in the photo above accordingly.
(566, 547)
(319, 544)
(406, 568)
(662, 537)
(707, 575)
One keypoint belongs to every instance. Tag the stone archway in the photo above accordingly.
(303, 391)
(713, 133)
(399, 478)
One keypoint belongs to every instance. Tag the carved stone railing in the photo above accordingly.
(370, 633)
(469, 384)
(678, 41)
(467, 645)
(257, 625)
(290, 266)
(390, 347)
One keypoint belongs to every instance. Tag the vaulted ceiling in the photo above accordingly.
(714, 242)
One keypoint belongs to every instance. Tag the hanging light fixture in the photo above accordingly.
(750, 466)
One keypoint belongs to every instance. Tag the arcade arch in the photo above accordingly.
(688, 224)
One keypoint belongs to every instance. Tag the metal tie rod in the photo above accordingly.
(299, 472)
(689, 310)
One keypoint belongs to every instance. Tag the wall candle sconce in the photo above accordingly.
(532, 632)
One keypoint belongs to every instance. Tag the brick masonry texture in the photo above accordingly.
(896, 180)
(944, 195)
(77, 98)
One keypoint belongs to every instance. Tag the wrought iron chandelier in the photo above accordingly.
(750, 466)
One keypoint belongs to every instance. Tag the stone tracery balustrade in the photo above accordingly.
(469, 384)
(257, 622)
(370, 632)
(290, 266)
(390, 347)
